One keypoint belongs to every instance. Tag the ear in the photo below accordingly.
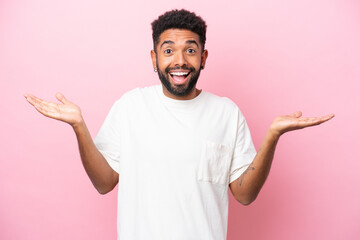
(153, 58)
(204, 56)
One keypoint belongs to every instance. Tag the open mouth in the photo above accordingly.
(179, 77)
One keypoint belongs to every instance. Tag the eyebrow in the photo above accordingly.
(187, 42)
(192, 42)
(166, 42)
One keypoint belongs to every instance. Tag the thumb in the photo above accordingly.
(62, 98)
(296, 114)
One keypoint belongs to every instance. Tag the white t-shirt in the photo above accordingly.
(175, 160)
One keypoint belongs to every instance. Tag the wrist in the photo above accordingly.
(78, 124)
(273, 134)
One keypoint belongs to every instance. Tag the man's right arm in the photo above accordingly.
(103, 177)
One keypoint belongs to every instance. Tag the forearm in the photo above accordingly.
(103, 177)
(248, 185)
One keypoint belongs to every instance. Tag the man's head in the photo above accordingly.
(179, 51)
(179, 19)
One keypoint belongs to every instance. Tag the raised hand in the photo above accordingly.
(294, 121)
(66, 111)
(99, 171)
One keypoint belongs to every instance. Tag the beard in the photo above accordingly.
(179, 90)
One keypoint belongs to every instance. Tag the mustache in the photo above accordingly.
(168, 69)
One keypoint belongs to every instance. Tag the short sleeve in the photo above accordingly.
(244, 151)
(107, 140)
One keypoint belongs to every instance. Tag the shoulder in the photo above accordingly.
(224, 106)
(221, 102)
(137, 94)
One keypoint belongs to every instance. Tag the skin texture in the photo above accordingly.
(176, 49)
(103, 177)
(247, 187)
(179, 48)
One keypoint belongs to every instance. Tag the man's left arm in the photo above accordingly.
(246, 188)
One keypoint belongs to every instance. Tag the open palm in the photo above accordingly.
(294, 121)
(66, 111)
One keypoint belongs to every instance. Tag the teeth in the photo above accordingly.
(179, 73)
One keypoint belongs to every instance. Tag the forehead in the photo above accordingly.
(178, 36)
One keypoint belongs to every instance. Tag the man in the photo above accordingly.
(172, 148)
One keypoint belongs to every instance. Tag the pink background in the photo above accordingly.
(270, 57)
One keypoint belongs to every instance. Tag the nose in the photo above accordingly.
(180, 59)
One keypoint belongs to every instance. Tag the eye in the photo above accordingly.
(190, 50)
(167, 51)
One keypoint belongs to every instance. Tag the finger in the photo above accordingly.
(32, 99)
(41, 104)
(296, 114)
(44, 103)
(40, 109)
(320, 119)
(328, 117)
(62, 98)
(47, 111)
(48, 106)
(306, 122)
(29, 99)
(325, 118)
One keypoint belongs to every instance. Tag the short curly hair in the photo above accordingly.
(179, 19)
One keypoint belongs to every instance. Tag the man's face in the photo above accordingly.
(178, 60)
